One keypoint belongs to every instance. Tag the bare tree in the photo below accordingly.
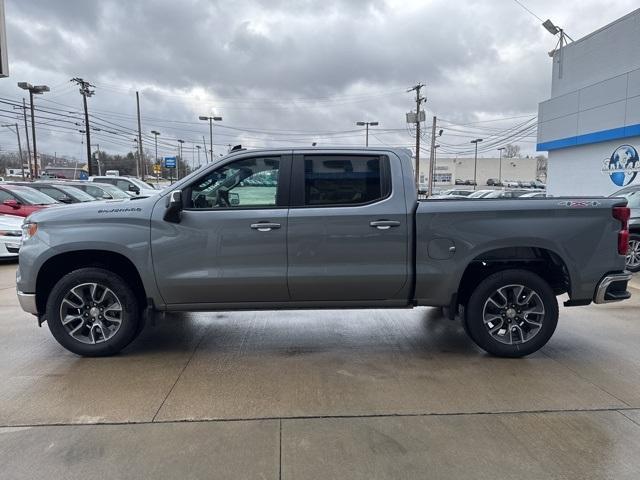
(511, 151)
(541, 166)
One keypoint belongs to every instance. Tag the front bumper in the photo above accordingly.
(28, 302)
(612, 288)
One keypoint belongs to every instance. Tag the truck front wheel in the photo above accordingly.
(511, 313)
(93, 312)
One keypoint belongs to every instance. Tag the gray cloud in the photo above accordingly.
(261, 63)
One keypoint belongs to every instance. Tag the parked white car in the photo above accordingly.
(131, 185)
(10, 235)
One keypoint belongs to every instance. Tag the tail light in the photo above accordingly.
(622, 214)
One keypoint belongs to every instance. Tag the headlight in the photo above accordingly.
(29, 229)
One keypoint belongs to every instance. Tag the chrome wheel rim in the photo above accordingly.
(91, 313)
(633, 255)
(513, 314)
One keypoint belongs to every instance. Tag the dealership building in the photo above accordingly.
(590, 126)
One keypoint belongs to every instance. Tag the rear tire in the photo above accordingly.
(633, 256)
(511, 313)
(93, 312)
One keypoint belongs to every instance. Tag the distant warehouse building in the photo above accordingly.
(591, 124)
(447, 170)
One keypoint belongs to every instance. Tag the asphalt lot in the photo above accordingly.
(334, 394)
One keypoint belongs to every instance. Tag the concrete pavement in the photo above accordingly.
(335, 394)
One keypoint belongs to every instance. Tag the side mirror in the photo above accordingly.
(12, 203)
(234, 199)
(134, 189)
(174, 207)
(65, 199)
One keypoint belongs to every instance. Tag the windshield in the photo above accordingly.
(140, 184)
(31, 196)
(633, 199)
(494, 194)
(113, 191)
(480, 193)
(76, 193)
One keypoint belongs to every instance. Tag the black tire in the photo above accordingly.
(478, 330)
(130, 318)
(634, 242)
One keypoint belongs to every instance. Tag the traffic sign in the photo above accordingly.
(157, 168)
(170, 162)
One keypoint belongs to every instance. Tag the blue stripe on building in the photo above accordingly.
(593, 137)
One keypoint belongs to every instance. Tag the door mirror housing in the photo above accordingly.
(65, 199)
(174, 207)
(234, 199)
(134, 189)
(10, 202)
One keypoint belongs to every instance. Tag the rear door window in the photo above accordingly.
(334, 180)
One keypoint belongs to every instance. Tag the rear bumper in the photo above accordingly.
(612, 288)
(28, 302)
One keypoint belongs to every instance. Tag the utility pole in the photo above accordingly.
(15, 125)
(206, 159)
(140, 154)
(85, 91)
(199, 147)
(26, 132)
(419, 116)
(137, 154)
(179, 160)
(432, 156)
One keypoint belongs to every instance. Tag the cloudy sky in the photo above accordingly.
(286, 72)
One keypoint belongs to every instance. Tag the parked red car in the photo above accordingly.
(22, 200)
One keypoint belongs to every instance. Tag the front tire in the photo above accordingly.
(93, 312)
(512, 313)
(633, 255)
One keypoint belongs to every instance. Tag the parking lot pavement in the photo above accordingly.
(335, 394)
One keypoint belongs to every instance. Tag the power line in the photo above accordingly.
(523, 6)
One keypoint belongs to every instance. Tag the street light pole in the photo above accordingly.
(211, 120)
(500, 169)
(33, 90)
(180, 142)
(475, 163)
(198, 147)
(366, 125)
(155, 135)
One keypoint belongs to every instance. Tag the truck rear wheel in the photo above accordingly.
(93, 312)
(512, 313)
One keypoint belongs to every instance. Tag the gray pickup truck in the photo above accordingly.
(319, 228)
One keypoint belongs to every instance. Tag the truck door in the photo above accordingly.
(231, 242)
(348, 232)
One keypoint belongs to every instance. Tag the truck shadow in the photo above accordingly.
(422, 332)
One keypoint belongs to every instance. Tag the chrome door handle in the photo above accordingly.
(384, 224)
(265, 226)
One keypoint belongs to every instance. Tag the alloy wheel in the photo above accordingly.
(91, 313)
(633, 255)
(513, 314)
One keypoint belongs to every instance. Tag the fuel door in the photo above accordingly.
(441, 248)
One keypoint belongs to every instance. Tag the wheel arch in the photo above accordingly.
(546, 263)
(54, 268)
